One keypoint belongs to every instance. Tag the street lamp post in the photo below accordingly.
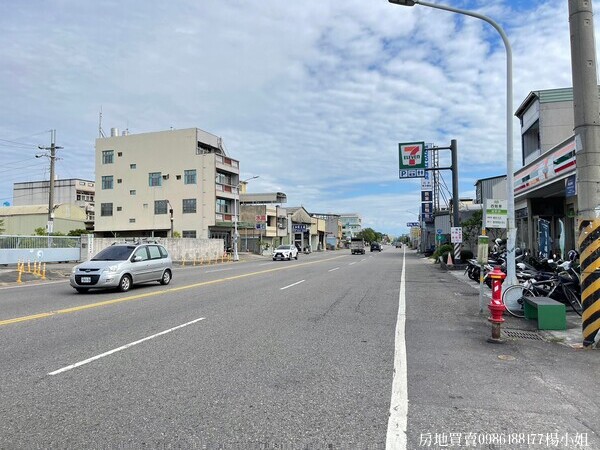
(511, 231)
(236, 256)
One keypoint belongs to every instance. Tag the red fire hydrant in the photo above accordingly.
(496, 306)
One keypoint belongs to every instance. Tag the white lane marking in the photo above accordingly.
(352, 263)
(265, 264)
(397, 422)
(335, 268)
(218, 270)
(294, 284)
(124, 347)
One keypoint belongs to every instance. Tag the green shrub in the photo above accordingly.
(442, 250)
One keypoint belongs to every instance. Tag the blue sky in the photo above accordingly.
(313, 96)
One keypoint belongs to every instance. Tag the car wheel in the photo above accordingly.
(125, 283)
(274, 259)
(296, 257)
(82, 290)
(166, 278)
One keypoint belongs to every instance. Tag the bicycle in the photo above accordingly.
(563, 288)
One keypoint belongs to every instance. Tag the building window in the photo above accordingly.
(188, 234)
(221, 178)
(132, 192)
(133, 166)
(131, 220)
(119, 208)
(107, 182)
(189, 176)
(119, 180)
(189, 205)
(108, 156)
(120, 154)
(222, 206)
(154, 179)
(160, 206)
(106, 209)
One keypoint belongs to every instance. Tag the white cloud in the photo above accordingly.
(312, 96)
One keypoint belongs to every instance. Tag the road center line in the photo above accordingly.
(397, 422)
(293, 284)
(352, 263)
(160, 292)
(124, 347)
(335, 268)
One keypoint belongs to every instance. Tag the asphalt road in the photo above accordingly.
(287, 354)
(293, 353)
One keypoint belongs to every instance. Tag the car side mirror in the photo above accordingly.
(137, 258)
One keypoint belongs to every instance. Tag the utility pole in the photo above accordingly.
(53, 147)
(587, 147)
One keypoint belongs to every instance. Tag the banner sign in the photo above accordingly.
(427, 180)
(426, 196)
(299, 227)
(427, 208)
(412, 159)
(261, 218)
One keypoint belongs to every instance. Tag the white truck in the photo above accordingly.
(357, 246)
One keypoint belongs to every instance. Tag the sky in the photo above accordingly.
(312, 97)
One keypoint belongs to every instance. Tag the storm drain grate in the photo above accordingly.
(522, 334)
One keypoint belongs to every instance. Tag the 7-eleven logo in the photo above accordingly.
(412, 155)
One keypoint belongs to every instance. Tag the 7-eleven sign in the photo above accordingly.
(412, 155)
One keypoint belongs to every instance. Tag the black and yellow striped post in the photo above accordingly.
(589, 247)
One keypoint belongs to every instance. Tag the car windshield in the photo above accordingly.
(116, 253)
(283, 247)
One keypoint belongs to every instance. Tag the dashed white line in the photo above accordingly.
(124, 347)
(352, 263)
(331, 270)
(293, 284)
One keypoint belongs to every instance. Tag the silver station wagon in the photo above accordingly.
(123, 265)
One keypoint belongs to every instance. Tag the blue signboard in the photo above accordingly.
(570, 186)
(299, 227)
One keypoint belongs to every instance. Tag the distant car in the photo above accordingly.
(398, 244)
(285, 252)
(123, 265)
(375, 247)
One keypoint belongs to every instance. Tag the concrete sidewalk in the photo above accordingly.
(516, 327)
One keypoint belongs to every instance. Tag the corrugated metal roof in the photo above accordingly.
(555, 95)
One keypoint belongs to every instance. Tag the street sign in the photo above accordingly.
(299, 227)
(439, 231)
(412, 224)
(456, 235)
(261, 226)
(426, 196)
(495, 213)
(427, 207)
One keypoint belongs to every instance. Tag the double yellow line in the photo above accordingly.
(155, 293)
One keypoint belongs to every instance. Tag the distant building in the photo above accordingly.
(351, 225)
(74, 191)
(166, 182)
(24, 220)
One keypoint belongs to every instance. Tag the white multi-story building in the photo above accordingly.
(177, 182)
(351, 225)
